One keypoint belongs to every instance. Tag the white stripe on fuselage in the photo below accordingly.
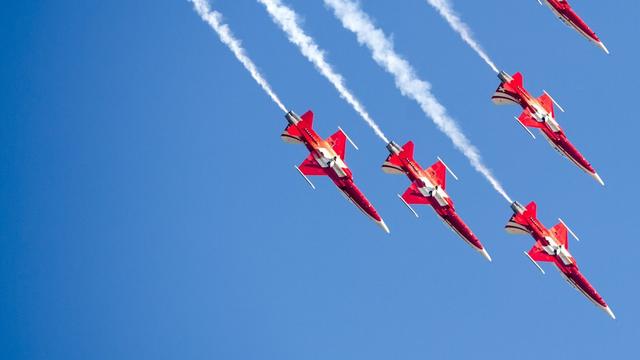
(564, 153)
(580, 289)
(569, 22)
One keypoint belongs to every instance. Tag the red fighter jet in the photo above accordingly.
(564, 12)
(552, 246)
(428, 188)
(539, 113)
(327, 158)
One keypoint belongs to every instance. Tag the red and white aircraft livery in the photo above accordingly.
(552, 246)
(327, 158)
(564, 12)
(428, 188)
(539, 113)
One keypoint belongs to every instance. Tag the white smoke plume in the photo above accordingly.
(445, 9)
(288, 21)
(356, 21)
(214, 19)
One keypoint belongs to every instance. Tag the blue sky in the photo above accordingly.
(150, 209)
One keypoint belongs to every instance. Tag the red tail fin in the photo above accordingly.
(291, 133)
(518, 81)
(507, 92)
(307, 119)
(518, 223)
(393, 164)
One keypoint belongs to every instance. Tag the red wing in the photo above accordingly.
(527, 119)
(538, 254)
(413, 196)
(439, 172)
(547, 104)
(310, 167)
(338, 143)
(560, 232)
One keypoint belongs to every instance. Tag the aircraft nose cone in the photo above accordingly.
(598, 178)
(608, 311)
(601, 45)
(486, 254)
(383, 226)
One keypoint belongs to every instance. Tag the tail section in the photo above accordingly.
(518, 223)
(291, 133)
(507, 92)
(393, 163)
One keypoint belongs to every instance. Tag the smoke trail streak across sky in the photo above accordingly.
(355, 20)
(287, 19)
(214, 19)
(445, 9)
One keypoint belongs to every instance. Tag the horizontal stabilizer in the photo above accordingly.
(291, 135)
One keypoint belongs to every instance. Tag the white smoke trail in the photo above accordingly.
(407, 81)
(214, 19)
(287, 19)
(445, 9)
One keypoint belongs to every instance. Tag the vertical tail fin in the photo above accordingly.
(506, 93)
(518, 223)
(291, 133)
(393, 164)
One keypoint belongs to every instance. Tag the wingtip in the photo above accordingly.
(603, 47)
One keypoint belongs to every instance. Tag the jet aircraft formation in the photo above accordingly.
(428, 185)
